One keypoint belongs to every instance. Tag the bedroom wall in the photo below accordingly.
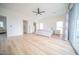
(14, 22)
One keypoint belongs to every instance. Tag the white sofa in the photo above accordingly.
(45, 32)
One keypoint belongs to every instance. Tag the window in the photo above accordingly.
(41, 26)
(1, 24)
(59, 25)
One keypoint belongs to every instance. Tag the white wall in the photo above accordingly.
(49, 22)
(14, 22)
(15, 14)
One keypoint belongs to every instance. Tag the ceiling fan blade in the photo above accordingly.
(34, 11)
(42, 11)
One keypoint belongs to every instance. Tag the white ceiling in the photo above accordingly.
(27, 8)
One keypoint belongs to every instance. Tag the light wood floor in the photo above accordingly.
(32, 44)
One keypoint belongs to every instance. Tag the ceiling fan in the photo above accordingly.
(38, 12)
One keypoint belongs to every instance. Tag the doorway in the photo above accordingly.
(34, 24)
(25, 26)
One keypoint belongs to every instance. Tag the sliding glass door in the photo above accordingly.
(74, 27)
